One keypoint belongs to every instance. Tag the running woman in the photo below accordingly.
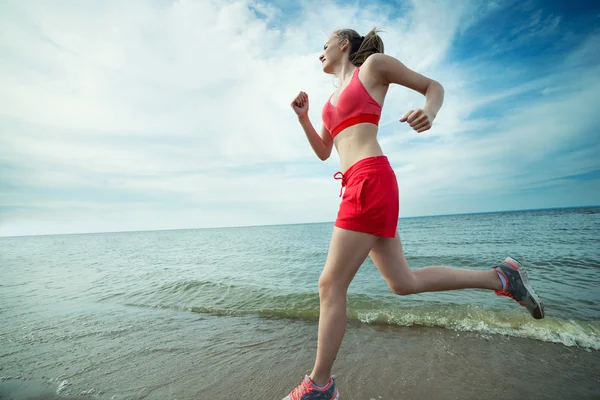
(367, 218)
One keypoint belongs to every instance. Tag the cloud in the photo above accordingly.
(150, 115)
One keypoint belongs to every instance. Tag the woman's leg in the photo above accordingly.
(347, 251)
(388, 256)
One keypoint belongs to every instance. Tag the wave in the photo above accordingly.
(570, 333)
(220, 299)
(486, 321)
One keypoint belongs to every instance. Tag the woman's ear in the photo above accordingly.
(344, 45)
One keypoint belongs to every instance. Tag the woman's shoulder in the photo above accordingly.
(376, 65)
(379, 61)
(386, 70)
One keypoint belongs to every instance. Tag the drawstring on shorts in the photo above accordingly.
(342, 178)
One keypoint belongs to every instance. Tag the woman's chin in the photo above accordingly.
(327, 69)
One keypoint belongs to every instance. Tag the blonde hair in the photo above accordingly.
(361, 47)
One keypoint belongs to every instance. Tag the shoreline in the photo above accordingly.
(196, 356)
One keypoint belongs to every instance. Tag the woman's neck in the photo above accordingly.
(345, 72)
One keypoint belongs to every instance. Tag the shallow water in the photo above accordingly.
(77, 305)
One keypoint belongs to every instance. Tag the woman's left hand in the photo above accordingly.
(420, 120)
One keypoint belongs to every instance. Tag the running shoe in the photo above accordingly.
(518, 287)
(307, 390)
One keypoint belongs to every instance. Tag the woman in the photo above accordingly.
(367, 219)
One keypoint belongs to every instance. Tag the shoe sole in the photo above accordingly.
(523, 274)
(337, 397)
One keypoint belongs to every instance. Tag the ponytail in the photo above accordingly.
(361, 47)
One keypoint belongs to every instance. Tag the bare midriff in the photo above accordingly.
(355, 143)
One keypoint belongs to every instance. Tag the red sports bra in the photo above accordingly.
(355, 105)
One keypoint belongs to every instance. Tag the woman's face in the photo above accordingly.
(332, 54)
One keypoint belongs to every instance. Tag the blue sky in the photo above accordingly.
(175, 114)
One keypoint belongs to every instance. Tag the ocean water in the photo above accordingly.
(55, 290)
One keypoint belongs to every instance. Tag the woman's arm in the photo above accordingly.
(321, 144)
(388, 69)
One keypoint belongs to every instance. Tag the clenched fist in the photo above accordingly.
(419, 119)
(300, 104)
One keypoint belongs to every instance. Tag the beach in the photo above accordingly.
(232, 313)
(190, 356)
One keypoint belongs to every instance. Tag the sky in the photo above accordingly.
(164, 114)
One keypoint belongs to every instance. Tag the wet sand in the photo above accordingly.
(161, 354)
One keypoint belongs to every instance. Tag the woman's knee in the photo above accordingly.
(330, 288)
(405, 287)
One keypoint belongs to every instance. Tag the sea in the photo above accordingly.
(178, 313)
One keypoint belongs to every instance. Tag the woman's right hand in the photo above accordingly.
(300, 104)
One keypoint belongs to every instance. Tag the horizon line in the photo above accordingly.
(293, 223)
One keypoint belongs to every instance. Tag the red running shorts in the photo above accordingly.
(371, 201)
